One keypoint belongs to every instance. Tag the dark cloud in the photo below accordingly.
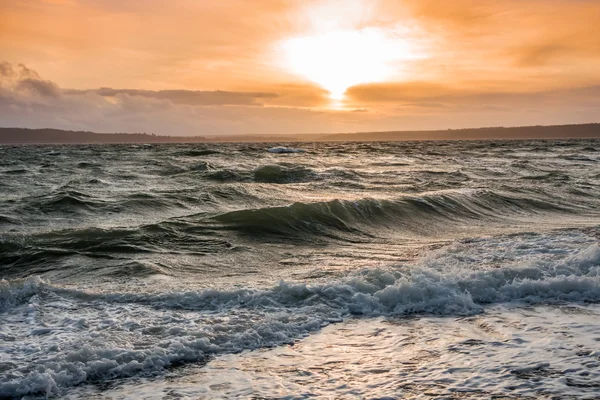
(18, 79)
(41, 87)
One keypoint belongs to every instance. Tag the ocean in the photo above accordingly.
(400, 270)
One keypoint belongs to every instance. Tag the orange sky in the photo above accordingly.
(275, 66)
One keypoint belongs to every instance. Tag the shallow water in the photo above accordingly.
(401, 270)
(498, 353)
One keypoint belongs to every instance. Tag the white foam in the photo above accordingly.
(13, 293)
(534, 352)
(59, 337)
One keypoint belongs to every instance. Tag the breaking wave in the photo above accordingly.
(118, 335)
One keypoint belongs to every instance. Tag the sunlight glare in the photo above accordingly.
(338, 60)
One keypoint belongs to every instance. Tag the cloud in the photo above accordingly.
(25, 81)
(230, 45)
(6, 69)
(299, 95)
(41, 87)
(189, 97)
(538, 55)
(534, 44)
(12, 74)
(451, 99)
(25, 102)
(458, 14)
(289, 95)
(36, 103)
(394, 92)
(20, 79)
(559, 51)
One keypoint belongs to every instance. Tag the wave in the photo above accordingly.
(41, 252)
(19, 171)
(283, 174)
(62, 201)
(204, 233)
(413, 213)
(69, 201)
(143, 202)
(225, 175)
(120, 335)
(398, 291)
(551, 176)
(341, 175)
(202, 166)
(281, 149)
(577, 157)
(87, 164)
(4, 219)
(271, 173)
(199, 153)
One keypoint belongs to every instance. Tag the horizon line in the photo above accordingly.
(305, 133)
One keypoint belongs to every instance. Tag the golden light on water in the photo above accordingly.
(341, 59)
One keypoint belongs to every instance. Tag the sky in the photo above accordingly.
(231, 67)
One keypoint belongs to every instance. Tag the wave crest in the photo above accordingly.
(413, 213)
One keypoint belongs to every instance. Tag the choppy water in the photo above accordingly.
(349, 270)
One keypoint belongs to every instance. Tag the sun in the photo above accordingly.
(341, 59)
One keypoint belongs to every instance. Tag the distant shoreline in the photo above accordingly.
(58, 136)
